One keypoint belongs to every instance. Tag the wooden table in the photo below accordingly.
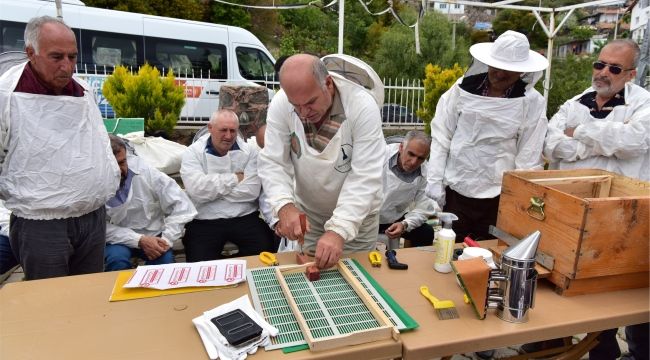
(71, 318)
(553, 315)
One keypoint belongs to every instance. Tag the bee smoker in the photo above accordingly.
(516, 279)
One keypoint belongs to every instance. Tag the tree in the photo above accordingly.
(480, 36)
(311, 30)
(228, 15)
(582, 32)
(157, 99)
(396, 56)
(362, 29)
(436, 82)
(181, 9)
(523, 22)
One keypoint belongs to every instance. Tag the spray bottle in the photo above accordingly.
(445, 241)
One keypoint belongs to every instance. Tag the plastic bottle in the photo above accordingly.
(444, 245)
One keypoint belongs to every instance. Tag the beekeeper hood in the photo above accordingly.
(511, 52)
(358, 72)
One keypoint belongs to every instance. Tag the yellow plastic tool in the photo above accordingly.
(445, 309)
(375, 258)
(268, 259)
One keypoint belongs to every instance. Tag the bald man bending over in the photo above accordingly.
(323, 156)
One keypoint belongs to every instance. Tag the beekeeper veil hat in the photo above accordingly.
(356, 71)
(511, 52)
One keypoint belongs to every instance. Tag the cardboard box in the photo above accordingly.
(594, 224)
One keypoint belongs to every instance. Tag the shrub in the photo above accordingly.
(157, 99)
(436, 82)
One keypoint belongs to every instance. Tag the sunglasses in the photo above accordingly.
(614, 69)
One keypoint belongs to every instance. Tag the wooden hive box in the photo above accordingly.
(594, 223)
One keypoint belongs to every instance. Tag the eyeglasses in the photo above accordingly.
(614, 69)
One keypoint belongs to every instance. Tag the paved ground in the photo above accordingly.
(17, 275)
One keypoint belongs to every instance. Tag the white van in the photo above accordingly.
(203, 56)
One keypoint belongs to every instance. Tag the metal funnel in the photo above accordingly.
(524, 249)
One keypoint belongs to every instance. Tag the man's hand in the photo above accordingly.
(328, 250)
(569, 131)
(395, 230)
(152, 246)
(289, 223)
(240, 176)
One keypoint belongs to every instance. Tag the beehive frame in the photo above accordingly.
(324, 327)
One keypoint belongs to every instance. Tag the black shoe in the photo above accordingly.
(485, 355)
(536, 346)
(531, 347)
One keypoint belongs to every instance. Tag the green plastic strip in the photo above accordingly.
(291, 349)
(408, 321)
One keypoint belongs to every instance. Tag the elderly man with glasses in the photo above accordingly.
(607, 126)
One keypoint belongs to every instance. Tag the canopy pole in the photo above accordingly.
(341, 24)
(59, 9)
(549, 57)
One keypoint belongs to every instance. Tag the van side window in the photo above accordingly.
(254, 64)
(13, 35)
(112, 51)
(187, 58)
(104, 49)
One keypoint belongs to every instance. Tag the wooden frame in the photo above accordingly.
(588, 186)
(385, 331)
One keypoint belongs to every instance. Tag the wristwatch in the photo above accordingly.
(405, 225)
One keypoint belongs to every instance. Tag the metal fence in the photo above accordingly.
(402, 98)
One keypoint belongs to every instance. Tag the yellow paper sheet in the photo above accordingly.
(120, 293)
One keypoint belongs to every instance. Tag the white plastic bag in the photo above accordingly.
(162, 154)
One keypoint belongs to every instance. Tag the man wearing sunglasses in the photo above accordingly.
(607, 127)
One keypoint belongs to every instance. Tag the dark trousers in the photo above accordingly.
(118, 257)
(7, 259)
(59, 247)
(608, 349)
(204, 239)
(474, 215)
(420, 236)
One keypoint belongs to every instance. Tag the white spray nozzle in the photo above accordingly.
(447, 218)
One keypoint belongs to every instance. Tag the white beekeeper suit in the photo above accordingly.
(476, 138)
(620, 142)
(401, 196)
(339, 188)
(211, 183)
(55, 154)
(155, 206)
